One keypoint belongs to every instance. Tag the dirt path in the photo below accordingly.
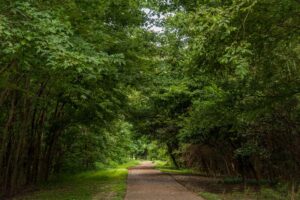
(147, 183)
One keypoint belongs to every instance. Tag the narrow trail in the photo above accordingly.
(147, 183)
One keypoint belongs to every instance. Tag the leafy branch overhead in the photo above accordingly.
(208, 84)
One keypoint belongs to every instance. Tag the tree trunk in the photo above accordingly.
(171, 153)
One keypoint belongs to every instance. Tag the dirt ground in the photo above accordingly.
(198, 184)
(233, 191)
(147, 183)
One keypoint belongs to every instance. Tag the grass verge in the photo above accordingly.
(108, 184)
(166, 167)
(264, 193)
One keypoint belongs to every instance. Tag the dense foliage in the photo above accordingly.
(86, 81)
(229, 103)
(65, 70)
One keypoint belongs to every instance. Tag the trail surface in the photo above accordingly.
(147, 183)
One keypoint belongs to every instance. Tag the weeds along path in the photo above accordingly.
(147, 183)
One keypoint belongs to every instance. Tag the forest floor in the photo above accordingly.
(102, 184)
(144, 182)
(147, 183)
(212, 188)
(231, 189)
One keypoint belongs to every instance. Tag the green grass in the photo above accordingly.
(166, 167)
(177, 171)
(210, 196)
(230, 196)
(266, 193)
(160, 163)
(108, 184)
(238, 180)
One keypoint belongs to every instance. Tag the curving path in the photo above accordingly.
(147, 183)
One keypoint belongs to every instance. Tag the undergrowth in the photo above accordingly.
(108, 184)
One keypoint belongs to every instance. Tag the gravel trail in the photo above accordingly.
(147, 183)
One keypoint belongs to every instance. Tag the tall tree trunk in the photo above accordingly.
(8, 146)
(171, 153)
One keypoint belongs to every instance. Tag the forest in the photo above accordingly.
(211, 85)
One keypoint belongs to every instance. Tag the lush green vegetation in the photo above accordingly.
(226, 188)
(87, 83)
(65, 76)
(167, 167)
(226, 100)
(99, 184)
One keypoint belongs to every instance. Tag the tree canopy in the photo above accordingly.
(89, 81)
